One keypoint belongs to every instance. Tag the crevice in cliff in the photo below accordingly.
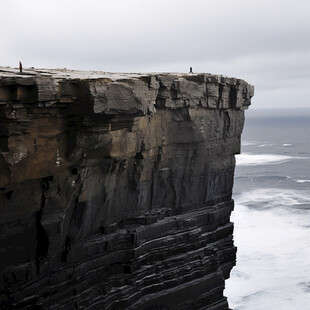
(76, 221)
(139, 155)
(42, 237)
(73, 171)
(224, 115)
(71, 134)
(226, 124)
(221, 87)
(160, 100)
(8, 195)
(233, 97)
(155, 168)
(4, 139)
(4, 144)
(65, 252)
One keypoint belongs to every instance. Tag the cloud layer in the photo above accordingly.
(265, 42)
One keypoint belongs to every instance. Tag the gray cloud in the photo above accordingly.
(265, 42)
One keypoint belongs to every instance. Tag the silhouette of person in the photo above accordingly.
(190, 70)
(20, 67)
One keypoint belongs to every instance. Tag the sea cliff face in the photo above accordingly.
(115, 189)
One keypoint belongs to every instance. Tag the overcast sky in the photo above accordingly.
(265, 42)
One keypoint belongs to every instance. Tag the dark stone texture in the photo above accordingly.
(115, 189)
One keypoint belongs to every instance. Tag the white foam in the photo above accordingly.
(273, 197)
(273, 252)
(248, 159)
(264, 145)
(287, 145)
(246, 143)
(302, 181)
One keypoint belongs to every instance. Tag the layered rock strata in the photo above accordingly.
(115, 189)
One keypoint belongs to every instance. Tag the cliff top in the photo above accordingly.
(64, 73)
(129, 93)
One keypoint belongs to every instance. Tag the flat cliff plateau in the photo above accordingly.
(115, 189)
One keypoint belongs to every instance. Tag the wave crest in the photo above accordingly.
(263, 198)
(248, 159)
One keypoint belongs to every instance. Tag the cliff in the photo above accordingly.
(115, 189)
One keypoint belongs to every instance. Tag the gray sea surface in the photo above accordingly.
(272, 214)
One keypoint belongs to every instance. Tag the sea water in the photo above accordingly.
(272, 214)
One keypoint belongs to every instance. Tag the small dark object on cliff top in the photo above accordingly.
(20, 67)
(190, 70)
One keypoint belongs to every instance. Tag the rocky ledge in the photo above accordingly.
(115, 189)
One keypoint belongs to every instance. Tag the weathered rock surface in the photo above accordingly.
(115, 189)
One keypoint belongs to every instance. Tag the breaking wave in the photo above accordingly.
(263, 198)
(264, 145)
(273, 251)
(247, 143)
(302, 181)
(248, 159)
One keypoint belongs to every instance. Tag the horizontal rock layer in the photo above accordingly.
(115, 189)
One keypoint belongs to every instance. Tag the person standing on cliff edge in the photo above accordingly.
(190, 70)
(20, 67)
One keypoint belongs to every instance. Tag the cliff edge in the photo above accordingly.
(115, 189)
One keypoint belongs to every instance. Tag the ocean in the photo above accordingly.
(272, 213)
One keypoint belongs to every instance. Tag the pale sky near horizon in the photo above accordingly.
(265, 42)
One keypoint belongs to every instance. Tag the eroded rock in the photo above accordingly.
(115, 189)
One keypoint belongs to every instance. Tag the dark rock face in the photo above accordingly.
(115, 190)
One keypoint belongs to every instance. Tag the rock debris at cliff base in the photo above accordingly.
(115, 189)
